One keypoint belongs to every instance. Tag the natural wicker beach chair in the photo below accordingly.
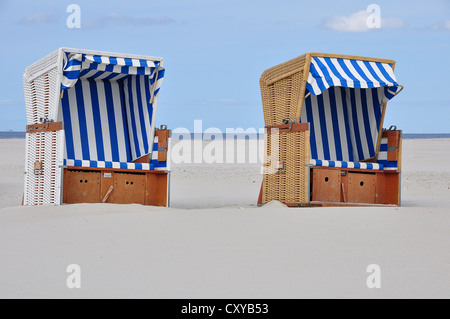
(91, 130)
(329, 147)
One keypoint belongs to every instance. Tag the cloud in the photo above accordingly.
(444, 25)
(39, 18)
(119, 19)
(357, 22)
(5, 102)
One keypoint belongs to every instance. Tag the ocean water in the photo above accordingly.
(12, 134)
(4, 135)
(196, 136)
(425, 135)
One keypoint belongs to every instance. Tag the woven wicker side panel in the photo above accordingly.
(40, 96)
(290, 184)
(280, 99)
(281, 87)
(43, 187)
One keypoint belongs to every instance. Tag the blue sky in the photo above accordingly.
(215, 51)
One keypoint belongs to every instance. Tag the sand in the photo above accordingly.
(215, 243)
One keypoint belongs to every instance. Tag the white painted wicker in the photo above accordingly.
(43, 186)
(41, 82)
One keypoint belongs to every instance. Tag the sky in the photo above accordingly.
(216, 50)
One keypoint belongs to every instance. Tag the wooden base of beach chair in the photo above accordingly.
(297, 184)
(118, 186)
(333, 204)
(351, 186)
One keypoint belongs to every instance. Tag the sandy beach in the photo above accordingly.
(214, 242)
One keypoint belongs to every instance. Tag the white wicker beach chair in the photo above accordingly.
(91, 129)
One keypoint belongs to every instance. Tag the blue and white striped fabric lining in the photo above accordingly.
(382, 162)
(344, 123)
(108, 164)
(139, 114)
(369, 166)
(103, 123)
(153, 165)
(95, 122)
(107, 109)
(344, 108)
(382, 156)
(327, 72)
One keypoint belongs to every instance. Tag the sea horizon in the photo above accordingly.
(197, 136)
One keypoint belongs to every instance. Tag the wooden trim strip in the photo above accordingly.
(383, 113)
(163, 144)
(336, 204)
(298, 112)
(294, 127)
(107, 194)
(118, 170)
(351, 57)
(143, 159)
(44, 127)
(359, 170)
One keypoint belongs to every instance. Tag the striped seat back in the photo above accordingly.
(95, 122)
(108, 105)
(108, 120)
(344, 122)
(139, 114)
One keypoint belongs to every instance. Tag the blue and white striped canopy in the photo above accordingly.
(81, 65)
(327, 72)
(344, 108)
(107, 107)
